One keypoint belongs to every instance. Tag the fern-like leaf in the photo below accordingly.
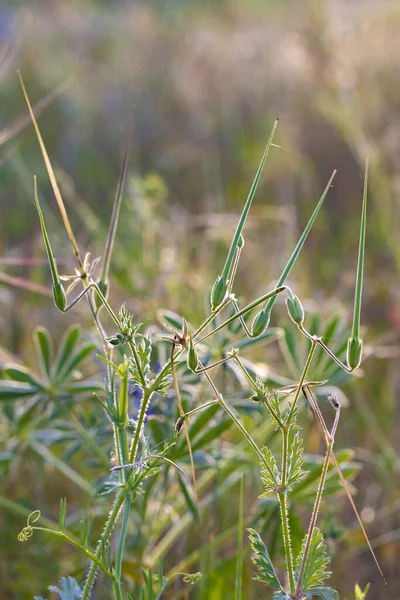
(261, 559)
(270, 477)
(296, 461)
(315, 569)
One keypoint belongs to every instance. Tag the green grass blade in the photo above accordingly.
(239, 228)
(300, 243)
(239, 557)
(360, 265)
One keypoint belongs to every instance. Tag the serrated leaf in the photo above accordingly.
(296, 460)
(315, 568)
(270, 477)
(261, 559)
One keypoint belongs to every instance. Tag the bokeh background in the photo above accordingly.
(205, 81)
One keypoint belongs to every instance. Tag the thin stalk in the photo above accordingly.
(112, 518)
(282, 496)
(139, 425)
(314, 515)
(239, 558)
(243, 311)
(88, 553)
(284, 509)
(122, 538)
(310, 356)
(238, 424)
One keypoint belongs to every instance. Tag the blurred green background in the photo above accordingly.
(206, 80)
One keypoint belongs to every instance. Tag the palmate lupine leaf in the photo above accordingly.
(69, 589)
(261, 559)
(315, 568)
(270, 477)
(296, 461)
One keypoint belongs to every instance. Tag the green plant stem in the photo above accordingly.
(112, 518)
(360, 265)
(117, 590)
(147, 393)
(282, 496)
(314, 342)
(93, 557)
(122, 538)
(314, 515)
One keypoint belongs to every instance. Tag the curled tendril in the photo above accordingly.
(192, 578)
(27, 531)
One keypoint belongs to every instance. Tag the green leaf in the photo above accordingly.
(359, 594)
(69, 589)
(296, 461)
(261, 559)
(324, 593)
(83, 387)
(21, 374)
(66, 347)
(75, 360)
(11, 390)
(44, 349)
(315, 568)
(270, 477)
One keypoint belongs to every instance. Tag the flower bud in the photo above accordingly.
(59, 296)
(354, 352)
(295, 308)
(103, 287)
(218, 292)
(260, 323)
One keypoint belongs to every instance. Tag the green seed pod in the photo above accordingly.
(192, 357)
(59, 296)
(295, 308)
(354, 352)
(218, 292)
(115, 341)
(103, 287)
(260, 323)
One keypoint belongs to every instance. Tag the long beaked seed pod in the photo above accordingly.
(260, 323)
(354, 352)
(218, 291)
(295, 308)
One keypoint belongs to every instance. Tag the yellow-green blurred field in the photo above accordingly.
(205, 80)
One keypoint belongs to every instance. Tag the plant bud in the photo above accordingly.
(354, 352)
(218, 292)
(103, 287)
(256, 398)
(295, 308)
(240, 243)
(260, 323)
(59, 296)
(192, 357)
